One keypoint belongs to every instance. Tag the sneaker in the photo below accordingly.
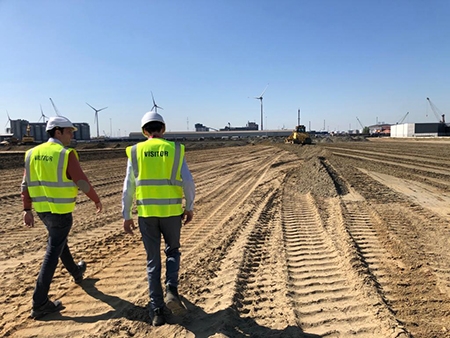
(45, 309)
(78, 278)
(158, 317)
(173, 301)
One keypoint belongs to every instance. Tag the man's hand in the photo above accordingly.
(98, 206)
(187, 216)
(28, 218)
(128, 226)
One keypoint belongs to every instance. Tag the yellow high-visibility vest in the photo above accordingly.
(49, 188)
(157, 169)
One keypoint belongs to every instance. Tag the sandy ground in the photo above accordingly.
(329, 240)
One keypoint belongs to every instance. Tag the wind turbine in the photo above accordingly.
(9, 121)
(54, 107)
(43, 117)
(260, 98)
(155, 106)
(96, 116)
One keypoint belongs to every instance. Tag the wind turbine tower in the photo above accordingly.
(96, 116)
(260, 98)
(155, 106)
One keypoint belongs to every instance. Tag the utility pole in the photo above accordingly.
(110, 127)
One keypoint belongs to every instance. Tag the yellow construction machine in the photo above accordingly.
(299, 136)
(28, 138)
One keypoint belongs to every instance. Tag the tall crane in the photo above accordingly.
(437, 112)
(403, 118)
(362, 127)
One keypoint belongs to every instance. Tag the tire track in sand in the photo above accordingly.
(327, 302)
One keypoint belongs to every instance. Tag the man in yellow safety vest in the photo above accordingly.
(50, 184)
(158, 176)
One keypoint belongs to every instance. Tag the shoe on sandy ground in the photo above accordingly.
(78, 278)
(173, 301)
(45, 309)
(158, 317)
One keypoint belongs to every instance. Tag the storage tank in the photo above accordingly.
(85, 131)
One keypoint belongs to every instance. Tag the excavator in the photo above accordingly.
(299, 136)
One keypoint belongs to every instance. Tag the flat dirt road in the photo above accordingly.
(344, 239)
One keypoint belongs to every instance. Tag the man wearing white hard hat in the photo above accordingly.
(158, 177)
(50, 185)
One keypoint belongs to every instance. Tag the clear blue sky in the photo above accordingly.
(205, 61)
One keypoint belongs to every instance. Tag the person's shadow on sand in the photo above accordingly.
(227, 322)
(121, 308)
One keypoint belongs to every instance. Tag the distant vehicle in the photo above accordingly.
(299, 136)
(28, 139)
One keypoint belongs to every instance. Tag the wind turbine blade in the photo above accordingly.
(264, 90)
(102, 109)
(154, 103)
(9, 119)
(91, 106)
(43, 117)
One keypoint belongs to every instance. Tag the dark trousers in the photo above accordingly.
(58, 227)
(151, 229)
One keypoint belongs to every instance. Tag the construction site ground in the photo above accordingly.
(335, 239)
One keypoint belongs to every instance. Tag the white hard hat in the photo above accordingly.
(61, 122)
(151, 116)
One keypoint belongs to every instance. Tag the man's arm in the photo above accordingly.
(129, 189)
(189, 192)
(28, 218)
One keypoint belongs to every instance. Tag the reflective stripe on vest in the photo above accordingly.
(56, 195)
(158, 196)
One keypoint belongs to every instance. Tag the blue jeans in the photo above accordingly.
(58, 227)
(151, 229)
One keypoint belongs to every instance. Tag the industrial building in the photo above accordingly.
(226, 134)
(250, 126)
(22, 128)
(420, 130)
